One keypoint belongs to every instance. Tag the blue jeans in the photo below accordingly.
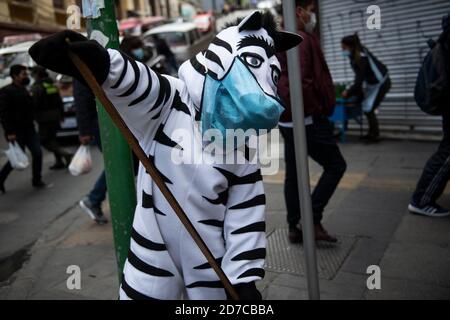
(98, 193)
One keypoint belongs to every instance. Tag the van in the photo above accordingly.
(183, 38)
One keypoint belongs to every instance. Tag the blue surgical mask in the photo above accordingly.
(346, 54)
(238, 102)
(139, 54)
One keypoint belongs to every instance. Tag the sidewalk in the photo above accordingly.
(368, 214)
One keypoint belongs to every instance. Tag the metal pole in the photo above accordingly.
(116, 152)
(301, 153)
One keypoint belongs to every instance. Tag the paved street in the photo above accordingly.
(42, 233)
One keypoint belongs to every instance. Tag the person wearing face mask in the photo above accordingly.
(319, 102)
(134, 47)
(371, 83)
(16, 114)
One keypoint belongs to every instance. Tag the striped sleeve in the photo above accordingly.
(244, 227)
(142, 96)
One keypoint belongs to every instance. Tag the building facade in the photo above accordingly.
(400, 43)
(48, 16)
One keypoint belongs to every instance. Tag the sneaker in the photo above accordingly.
(431, 210)
(95, 212)
(295, 235)
(42, 185)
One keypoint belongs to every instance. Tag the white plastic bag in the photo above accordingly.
(81, 162)
(17, 156)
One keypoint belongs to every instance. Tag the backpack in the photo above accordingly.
(432, 86)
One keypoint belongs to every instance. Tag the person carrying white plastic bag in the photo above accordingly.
(81, 162)
(17, 156)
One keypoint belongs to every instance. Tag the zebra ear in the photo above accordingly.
(286, 40)
(252, 22)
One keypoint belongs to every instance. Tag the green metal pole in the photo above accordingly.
(116, 152)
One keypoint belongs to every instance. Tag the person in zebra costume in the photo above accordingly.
(232, 85)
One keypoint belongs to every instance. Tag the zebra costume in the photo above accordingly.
(225, 202)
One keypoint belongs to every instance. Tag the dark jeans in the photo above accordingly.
(30, 139)
(98, 193)
(47, 133)
(436, 172)
(323, 149)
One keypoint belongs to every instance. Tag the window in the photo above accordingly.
(174, 39)
(59, 4)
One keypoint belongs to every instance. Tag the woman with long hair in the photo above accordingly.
(371, 82)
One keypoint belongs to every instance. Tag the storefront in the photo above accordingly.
(401, 44)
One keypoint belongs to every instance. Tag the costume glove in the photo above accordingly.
(246, 291)
(53, 53)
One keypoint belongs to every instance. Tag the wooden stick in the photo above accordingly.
(149, 166)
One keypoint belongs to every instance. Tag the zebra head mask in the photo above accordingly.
(239, 72)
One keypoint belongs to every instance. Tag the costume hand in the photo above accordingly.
(246, 291)
(53, 53)
(11, 137)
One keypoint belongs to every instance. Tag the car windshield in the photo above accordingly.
(174, 39)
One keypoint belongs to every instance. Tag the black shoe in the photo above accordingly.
(295, 235)
(2, 188)
(370, 138)
(323, 235)
(58, 166)
(42, 185)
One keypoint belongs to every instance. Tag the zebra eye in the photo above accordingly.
(253, 60)
(275, 76)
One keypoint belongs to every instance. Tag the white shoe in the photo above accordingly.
(434, 210)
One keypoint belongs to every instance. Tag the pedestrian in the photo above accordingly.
(163, 48)
(49, 113)
(319, 101)
(437, 170)
(371, 84)
(89, 132)
(233, 87)
(134, 47)
(17, 118)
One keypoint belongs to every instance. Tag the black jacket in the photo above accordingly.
(48, 105)
(363, 72)
(16, 109)
(85, 109)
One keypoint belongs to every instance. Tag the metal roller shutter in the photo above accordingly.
(401, 44)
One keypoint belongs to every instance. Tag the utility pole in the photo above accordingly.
(301, 153)
(116, 152)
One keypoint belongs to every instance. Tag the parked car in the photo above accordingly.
(16, 54)
(183, 38)
(69, 126)
(137, 26)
